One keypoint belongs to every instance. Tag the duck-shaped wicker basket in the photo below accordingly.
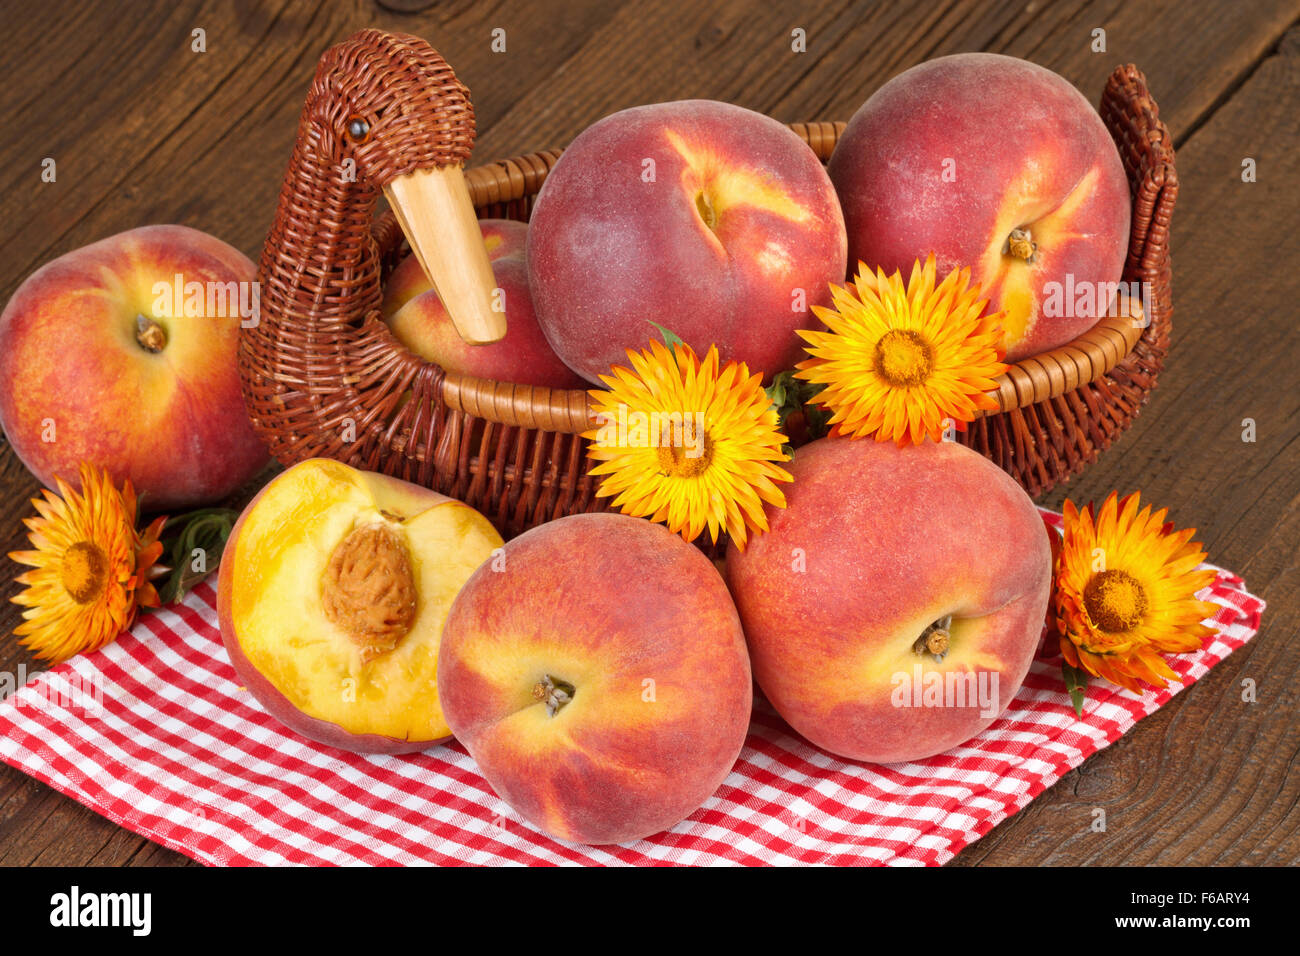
(323, 375)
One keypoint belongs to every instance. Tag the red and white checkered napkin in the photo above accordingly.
(179, 753)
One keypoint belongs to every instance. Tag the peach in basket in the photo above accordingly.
(996, 163)
(420, 320)
(334, 588)
(715, 221)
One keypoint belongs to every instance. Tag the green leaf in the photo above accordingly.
(792, 395)
(776, 392)
(1076, 682)
(671, 339)
(183, 536)
(784, 393)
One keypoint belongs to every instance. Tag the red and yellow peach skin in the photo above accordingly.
(638, 627)
(713, 221)
(877, 543)
(420, 321)
(959, 153)
(78, 385)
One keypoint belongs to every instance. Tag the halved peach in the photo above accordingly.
(333, 592)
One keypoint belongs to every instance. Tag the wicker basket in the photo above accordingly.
(350, 391)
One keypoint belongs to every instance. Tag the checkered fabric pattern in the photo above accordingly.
(155, 733)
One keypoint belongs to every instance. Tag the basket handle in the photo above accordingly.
(530, 406)
(1048, 375)
(1037, 378)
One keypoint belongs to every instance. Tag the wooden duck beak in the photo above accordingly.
(434, 209)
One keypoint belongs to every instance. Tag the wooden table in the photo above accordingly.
(144, 129)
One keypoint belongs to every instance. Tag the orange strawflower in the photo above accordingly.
(899, 360)
(1124, 592)
(687, 443)
(91, 568)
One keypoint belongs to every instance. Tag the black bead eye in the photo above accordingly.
(358, 129)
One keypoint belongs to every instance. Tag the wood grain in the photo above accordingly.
(143, 129)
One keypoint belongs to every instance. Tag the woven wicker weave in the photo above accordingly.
(324, 376)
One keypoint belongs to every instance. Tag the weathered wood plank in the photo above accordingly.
(727, 50)
(165, 134)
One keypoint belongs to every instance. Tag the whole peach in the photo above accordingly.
(894, 607)
(713, 221)
(598, 676)
(123, 354)
(420, 321)
(998, 164)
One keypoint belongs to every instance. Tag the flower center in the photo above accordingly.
(688, 458)
(903, 358)
(1114, 600)
(84, 571)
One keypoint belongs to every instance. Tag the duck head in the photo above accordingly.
(385, 113)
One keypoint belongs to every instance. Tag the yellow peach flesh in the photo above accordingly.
(284, 631)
